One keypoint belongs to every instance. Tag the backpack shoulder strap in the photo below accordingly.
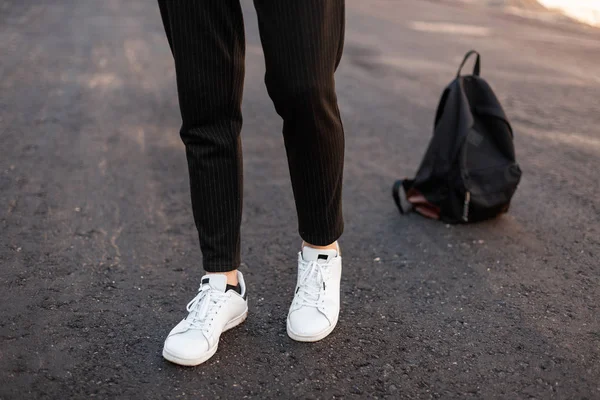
(399, 193)
(477, 67)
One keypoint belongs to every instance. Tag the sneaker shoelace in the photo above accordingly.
(204, 307)
(311, 285)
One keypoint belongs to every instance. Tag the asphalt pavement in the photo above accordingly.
(99, 254)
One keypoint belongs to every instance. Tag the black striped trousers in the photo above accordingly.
(302, 43)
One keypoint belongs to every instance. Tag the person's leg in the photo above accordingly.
(207, 41)
(302, 42)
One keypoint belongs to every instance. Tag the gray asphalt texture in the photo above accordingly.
(99, 253)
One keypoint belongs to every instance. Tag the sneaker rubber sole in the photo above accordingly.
(312, 338)
(192, 362)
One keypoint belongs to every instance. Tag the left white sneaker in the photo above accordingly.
(316, 306)
(213, 311)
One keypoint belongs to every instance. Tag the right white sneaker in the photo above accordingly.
(212, 312)
(316, 306)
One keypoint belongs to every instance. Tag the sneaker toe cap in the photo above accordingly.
(189, 345)
(308, 321)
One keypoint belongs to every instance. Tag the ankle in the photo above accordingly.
(232, 276)
(332, 246)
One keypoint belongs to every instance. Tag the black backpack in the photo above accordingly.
(469, 172)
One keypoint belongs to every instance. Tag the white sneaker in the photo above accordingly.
(212, 312)
(316, 306)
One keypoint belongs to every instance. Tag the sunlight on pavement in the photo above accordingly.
(103, 80)
(569, 139)
(443, 27)
(587, 11)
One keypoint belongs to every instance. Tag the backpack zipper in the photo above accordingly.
(466, 206)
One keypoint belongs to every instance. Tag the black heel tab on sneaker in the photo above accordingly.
(237, 288)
